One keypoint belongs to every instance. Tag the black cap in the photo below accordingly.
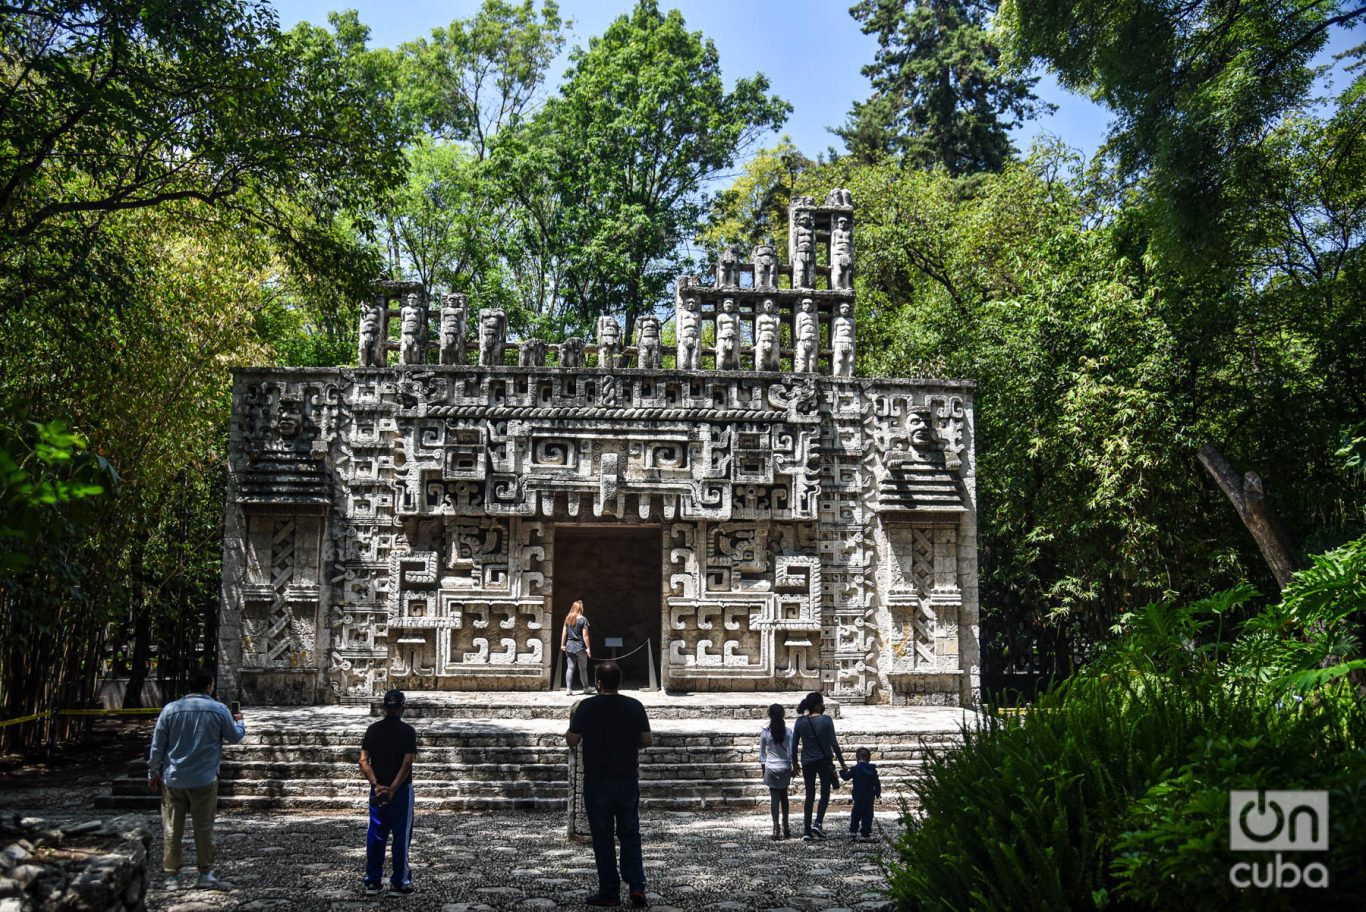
(394, 698)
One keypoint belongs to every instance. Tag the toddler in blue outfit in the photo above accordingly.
(867, 789)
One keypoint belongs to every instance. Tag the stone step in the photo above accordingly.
(456, 705)
(306, 758)
(652, 776)
(553, 806)
(706, 787)
(148, 802)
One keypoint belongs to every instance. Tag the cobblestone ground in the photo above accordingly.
(480, 862)
(467, 862)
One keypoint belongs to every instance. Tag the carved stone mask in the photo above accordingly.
(918, 431)
(290, 420)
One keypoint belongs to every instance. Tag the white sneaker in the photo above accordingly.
(173, 881)
(207, 881)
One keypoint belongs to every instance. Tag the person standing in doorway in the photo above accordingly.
(775, 757)
(386, 759)
(815, 751)
(612, 729)
(577, 646)
(187, 746)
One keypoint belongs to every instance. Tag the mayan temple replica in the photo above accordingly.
(737, 510)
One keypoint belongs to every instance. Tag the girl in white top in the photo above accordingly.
(775, 757)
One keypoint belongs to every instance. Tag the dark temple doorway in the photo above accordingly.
(617, 572)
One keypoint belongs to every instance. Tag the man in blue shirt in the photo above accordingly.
(187, 746)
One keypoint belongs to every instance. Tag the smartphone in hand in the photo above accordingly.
(235, 707)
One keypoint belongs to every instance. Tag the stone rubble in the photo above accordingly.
(90, 866)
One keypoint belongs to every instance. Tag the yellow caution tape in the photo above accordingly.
(21, 720)
(141, 711)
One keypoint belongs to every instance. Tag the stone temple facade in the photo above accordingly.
(735, 508)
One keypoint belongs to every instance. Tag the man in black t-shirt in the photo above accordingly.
(386, 759)
(612, 728)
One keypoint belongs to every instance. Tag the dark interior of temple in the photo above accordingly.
(616, 571)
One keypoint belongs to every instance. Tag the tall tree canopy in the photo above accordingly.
(640, 125)
(940, 95)
(182, 188)
(111, 106)
(1195, 88)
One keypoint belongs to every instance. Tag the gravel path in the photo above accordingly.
(473, 862)
(482, 862)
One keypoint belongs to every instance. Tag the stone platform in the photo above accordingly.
(305, 757)
(555, 705)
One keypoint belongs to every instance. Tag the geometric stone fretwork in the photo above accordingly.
(816, 531)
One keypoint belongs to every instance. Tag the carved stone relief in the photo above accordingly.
(395, 525)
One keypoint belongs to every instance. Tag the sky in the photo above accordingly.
(812, 52)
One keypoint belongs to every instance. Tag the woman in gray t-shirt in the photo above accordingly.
(815, 752)
(577, 647)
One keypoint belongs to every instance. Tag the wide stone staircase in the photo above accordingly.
(514, 757)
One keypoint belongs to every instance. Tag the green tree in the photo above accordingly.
(753, 209)
(1194, 88)
(454, 224)
(478, 75)
(940, 94)
(1077, 415)
(175, 179)
(641, 122)
(113, 106)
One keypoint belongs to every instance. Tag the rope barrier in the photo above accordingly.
(620, 657)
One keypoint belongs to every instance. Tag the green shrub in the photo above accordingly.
(1173, 850)
(1113, 792)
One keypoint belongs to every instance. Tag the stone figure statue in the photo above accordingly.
(571, 352)
(687, 323)
(804, 251)
(839, 197)
(728, 269)
(493, 327)
(412, 322)
(609, 341)
(842, 254)
(728, 337)
(452, 347)
(842, 343)
(371, 347)
(531, 353)
(765, 266)
(808, 338)
(649, 354)
(766, 340)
